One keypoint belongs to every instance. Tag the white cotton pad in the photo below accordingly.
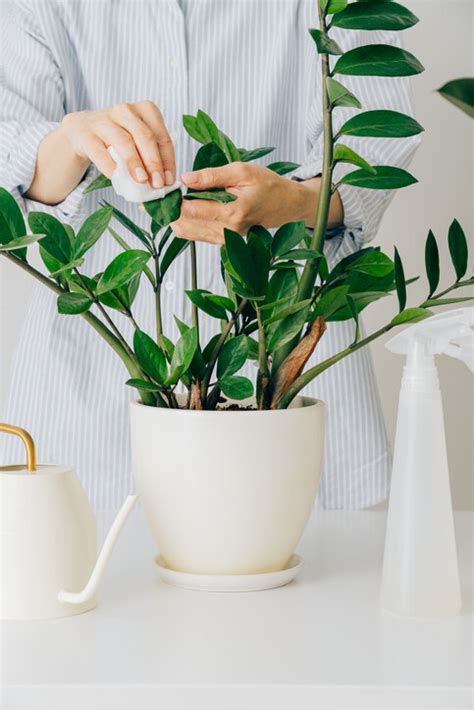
(125, 186)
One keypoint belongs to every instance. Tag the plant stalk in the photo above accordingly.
(194, 285)
(263, 377)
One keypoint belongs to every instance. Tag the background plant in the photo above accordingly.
(280, 292)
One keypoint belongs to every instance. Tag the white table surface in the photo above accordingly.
(320, 642)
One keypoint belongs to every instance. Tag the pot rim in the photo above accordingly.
(303, 402)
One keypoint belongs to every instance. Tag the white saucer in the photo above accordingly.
(231, 582)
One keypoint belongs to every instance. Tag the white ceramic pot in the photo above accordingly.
(227, 492)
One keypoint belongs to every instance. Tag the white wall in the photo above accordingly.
(443, 165)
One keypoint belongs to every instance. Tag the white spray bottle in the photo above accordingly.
(420, 572)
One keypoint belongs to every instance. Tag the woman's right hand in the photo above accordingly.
(137, 132)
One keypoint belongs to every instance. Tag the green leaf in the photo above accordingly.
(165, 210)
(57, 241)
(217, 195)
(175, 248)
(16, 244)
(287, 329)
(287, 237)
(355, 315)
(287, 311)
(248, 155)
(203, 129)
(430, 302)
(335, 6)
(209, 156)
(133, 228)
(325, 44)
(381, 124)
(167, 346)
(372, 263)
(331, 301)
(460, 92)
(339, 95)
(142, 385)
(432, 262)
(283, 285)
(121, 269)
(301, 254)
(150, 356)
(344, 154)
(358, 301)
(74, 264)
(99, 183)
(205, 304)
(73, 303)
(232, 356)
(378, 60)
(91, 230)
(183, 354)
(236, 387)
(283, 167)
(375, 15)
(121, 299)
(458, 248)
(400, 281)
(386, 178)
(12, 224)
(411, 315)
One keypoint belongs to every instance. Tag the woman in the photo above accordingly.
(253, 67)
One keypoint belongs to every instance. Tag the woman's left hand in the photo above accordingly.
(263, 197)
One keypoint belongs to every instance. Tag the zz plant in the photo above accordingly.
(280, 291)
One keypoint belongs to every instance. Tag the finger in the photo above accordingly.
(127, 116)
(122, 141)
(96, 151)
(199, 230)
(204, 209)
(225, 176)
(151, 115)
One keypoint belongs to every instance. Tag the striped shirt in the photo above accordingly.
(252, 66)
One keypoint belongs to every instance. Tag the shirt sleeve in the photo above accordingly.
(31, 105)
(363, 208)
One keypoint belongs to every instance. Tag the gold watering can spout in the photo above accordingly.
(28, 442)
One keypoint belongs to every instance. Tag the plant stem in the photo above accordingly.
(157, 289)
(263, 377)
(456, 284)
(194, 285)
(217, 348)
(94, 322)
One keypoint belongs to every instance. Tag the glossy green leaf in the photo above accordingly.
(121, 299)
(375, 15)
(99, 183)
(355, 315)
(221, 301)
(73, 303)
(232, 356)
(150, 356)
(175, 248)
(335, 6)
(183, 355)
(91, 230)
(283, 167)
(378, 60)
(166, 210)
(400, 281)
(203, 129)
(460, 92)
(359, 301)
(216, 195)
(287, 329)
(121, 269)
(282, 285)
(432, 262)
(22, 242)
(133, 228)
(344, 154)
(373, 263)
(411, 315)
(386, 178)
(331, 301)
(12, 224)
(287, 311)
(212, 309)
(57, 241)
(339, 95)
(458, 248)
(74, 264)
(430, 302)
(142, 385)
(381, 124)
(324, 44)
(287, 237)
(248, 155)
(209, 156)
(236, 387)
(301, 254)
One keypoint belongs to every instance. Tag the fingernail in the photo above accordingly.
(168, 177)
(156, 180)
(141, 175)
(189, 177)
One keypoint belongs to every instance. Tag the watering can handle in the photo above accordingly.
(104, 555)
(28, 442)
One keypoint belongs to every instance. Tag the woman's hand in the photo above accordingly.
(263, 197)
(136, 131)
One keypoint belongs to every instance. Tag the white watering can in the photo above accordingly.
(48, 540)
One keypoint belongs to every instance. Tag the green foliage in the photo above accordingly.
(384, 178)
(325, 44)
(381, 124)
(122, 269)
(166, 210)
(375, 15)
(460, 92)
(378, 60)
(458, 249)
(99, 183)
(339, 96)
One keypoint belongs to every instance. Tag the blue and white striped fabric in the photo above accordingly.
(252, 66)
